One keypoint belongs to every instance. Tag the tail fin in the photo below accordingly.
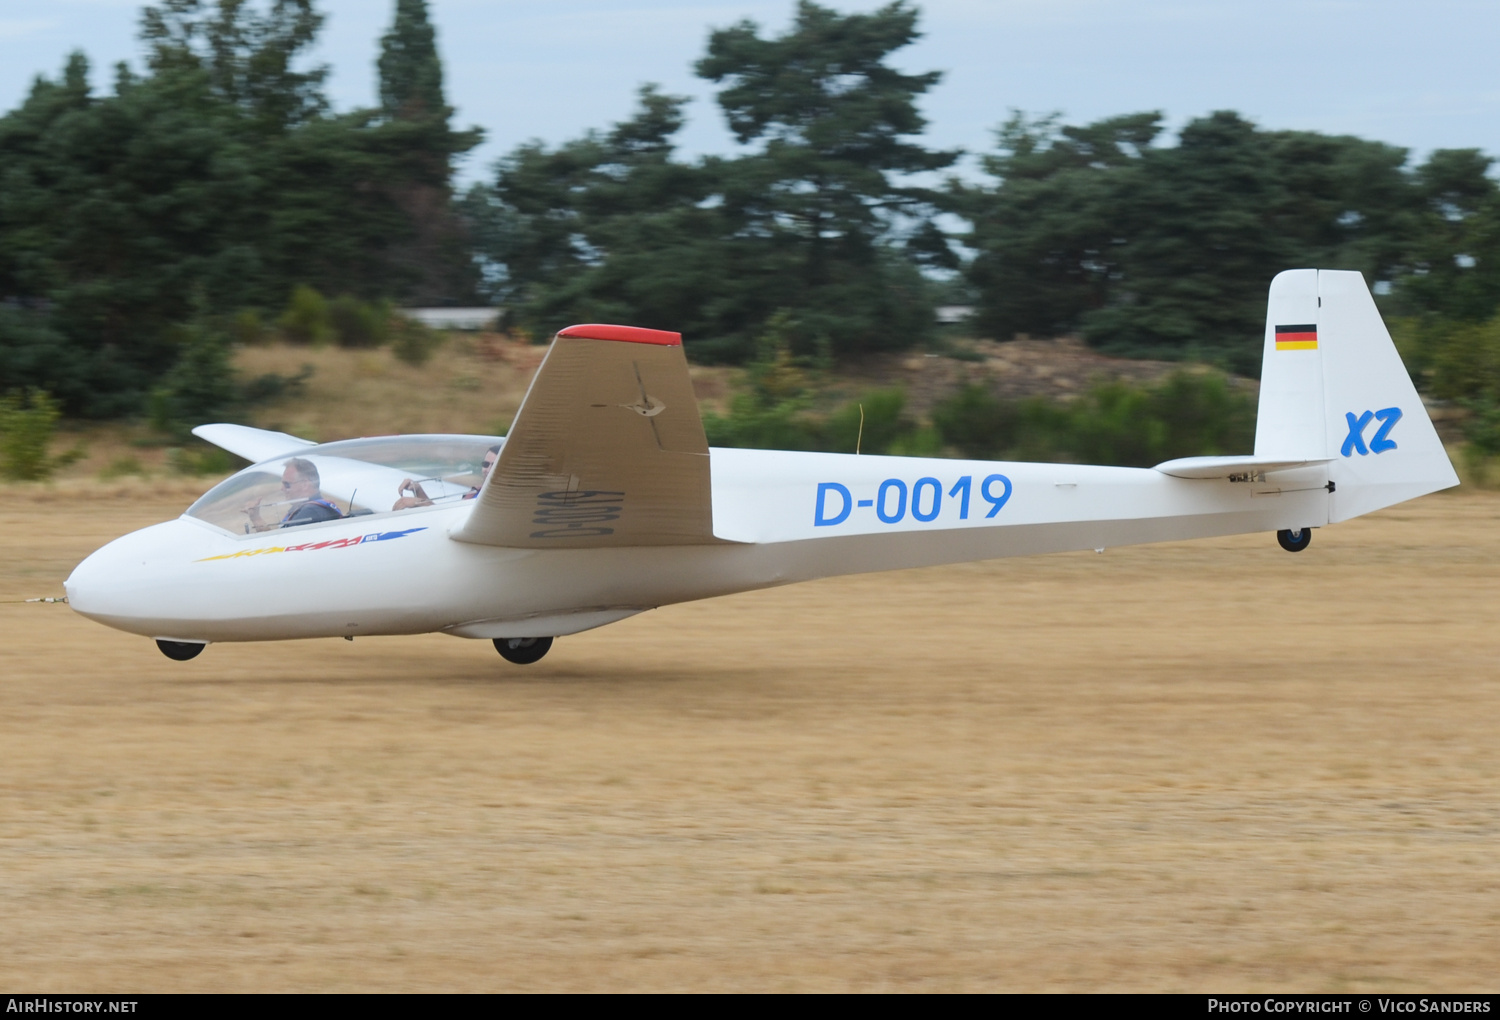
(1332, 386)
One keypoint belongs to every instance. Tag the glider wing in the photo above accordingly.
(255, 445)
(606, 451)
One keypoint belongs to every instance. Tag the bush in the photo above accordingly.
(979, 425)
(201, 387)
(1451, 360)
(752, 423)
(27, 425)
(122, 467)
(413, 342)
(772, 412)
(1204, 416)
(975, 423)
(305, 320)
(757, 423)
(877, 423)
(275, 386)
(357, 324)
(1460, 362)
(247, 328)
(1189, 414)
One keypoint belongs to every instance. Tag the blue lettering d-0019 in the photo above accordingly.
(926, 500)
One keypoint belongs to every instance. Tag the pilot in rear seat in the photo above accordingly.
(412, 494)
(300, 485)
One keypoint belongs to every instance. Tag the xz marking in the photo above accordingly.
(1354, 442)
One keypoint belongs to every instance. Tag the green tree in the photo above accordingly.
(608, 227)
(1199, 249)
(113, 212)
(411, 75)
(201, 386)
(814, 213)
(432, 256)
(248, 55)
(1455, 262)
(218, 180)
(1047, 237)
(815, 223)
(1166, 251)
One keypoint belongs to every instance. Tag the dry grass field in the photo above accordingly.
(1202, 766)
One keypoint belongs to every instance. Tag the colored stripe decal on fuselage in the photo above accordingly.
(336, 543)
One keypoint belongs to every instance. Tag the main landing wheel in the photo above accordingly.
(523, 651)
(181, 651)
(1294, 541)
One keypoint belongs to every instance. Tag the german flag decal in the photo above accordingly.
(1297, 338)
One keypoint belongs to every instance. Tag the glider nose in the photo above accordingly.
(129, 583)
(99, 586)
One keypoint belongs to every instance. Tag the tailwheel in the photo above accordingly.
(1294, 541)
(523, 651)
(179, 651)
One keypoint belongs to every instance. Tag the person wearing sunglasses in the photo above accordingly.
(300, 487)
(412, 494)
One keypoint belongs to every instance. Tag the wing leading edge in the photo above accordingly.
(255, 445)
(607, 450)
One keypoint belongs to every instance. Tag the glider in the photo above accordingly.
(605, 500)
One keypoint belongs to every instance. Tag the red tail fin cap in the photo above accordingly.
(630, 334)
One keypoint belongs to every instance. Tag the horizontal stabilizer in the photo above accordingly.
(255, 445)
(607, 450)
(1228, 467)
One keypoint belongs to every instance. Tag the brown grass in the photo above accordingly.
(1187, 767)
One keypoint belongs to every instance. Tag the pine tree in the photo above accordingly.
(411, 75)
(818, 204)
(247, 54)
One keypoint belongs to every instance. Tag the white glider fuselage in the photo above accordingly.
(605, 500)
(188, 580)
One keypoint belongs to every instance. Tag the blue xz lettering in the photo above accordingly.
(1388, 418)
(1354, 442)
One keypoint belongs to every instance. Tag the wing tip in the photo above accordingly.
(628, 334)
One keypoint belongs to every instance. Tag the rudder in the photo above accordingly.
(1383, 446)
(1333, 387)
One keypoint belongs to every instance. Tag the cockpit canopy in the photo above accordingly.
(359, 477)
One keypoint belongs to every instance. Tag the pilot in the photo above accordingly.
(412, 494)
(300, 484)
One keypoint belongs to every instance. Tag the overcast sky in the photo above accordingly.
(1418, 75)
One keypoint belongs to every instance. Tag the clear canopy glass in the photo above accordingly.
(354, 478)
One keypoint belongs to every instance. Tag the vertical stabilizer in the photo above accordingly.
(1382, 444)
(1333, 387)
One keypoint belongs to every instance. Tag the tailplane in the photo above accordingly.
(1334, 389)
